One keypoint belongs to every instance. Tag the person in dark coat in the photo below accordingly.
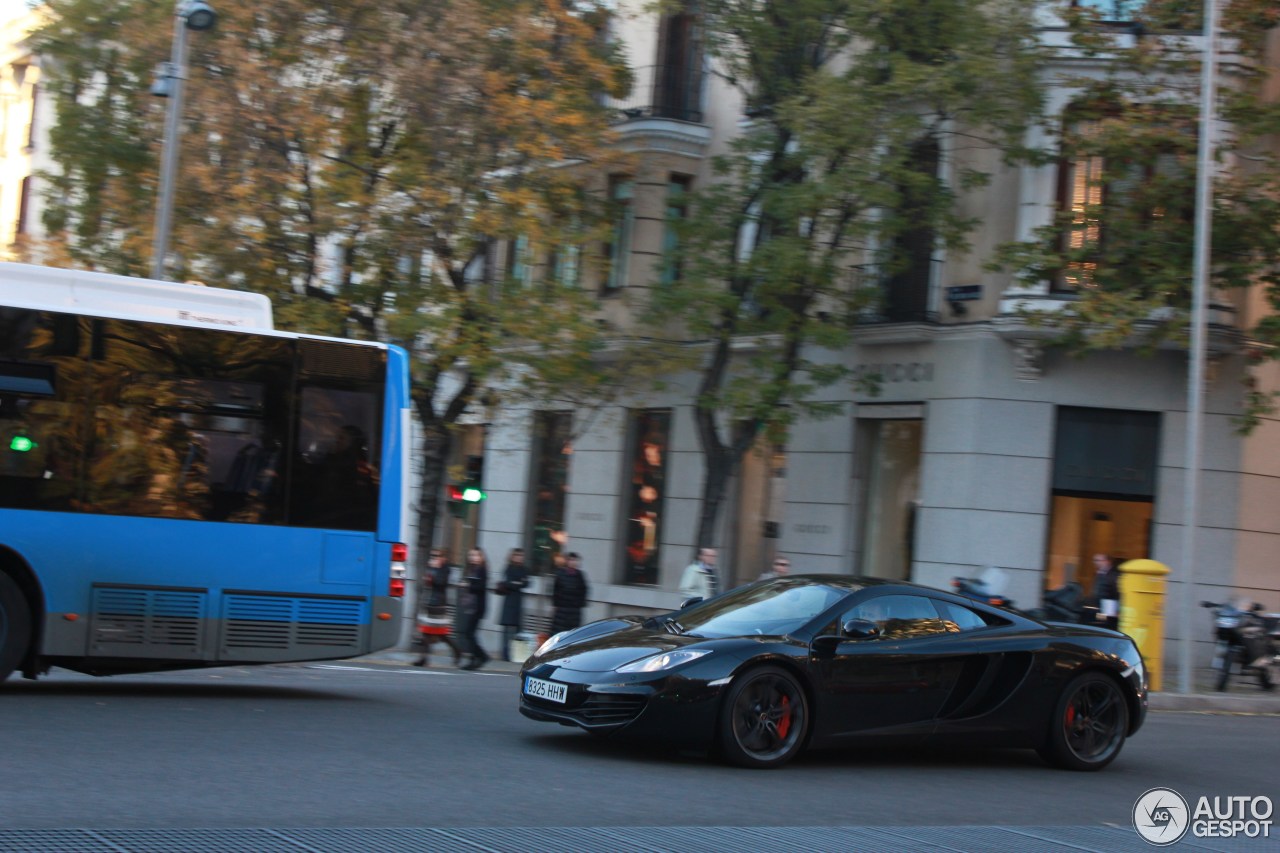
(1106, 589)
(473, 592)
(514, 579)
(568, 595)
(433, 614)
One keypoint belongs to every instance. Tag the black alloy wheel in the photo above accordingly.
(1089, 724)
(15, 625)
(765, 718)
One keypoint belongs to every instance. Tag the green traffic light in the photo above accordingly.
(472, 495)
(22, 444)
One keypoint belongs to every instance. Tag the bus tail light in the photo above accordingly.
(399, 556)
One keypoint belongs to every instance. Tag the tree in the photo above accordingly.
(864, 117)
(1119, 250)
(360, 162)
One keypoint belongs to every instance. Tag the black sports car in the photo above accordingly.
(765, 670)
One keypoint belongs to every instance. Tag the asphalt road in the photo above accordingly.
(367, 745)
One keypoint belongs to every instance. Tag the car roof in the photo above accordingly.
(854, 582)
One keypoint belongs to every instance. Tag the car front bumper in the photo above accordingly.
(671, 707)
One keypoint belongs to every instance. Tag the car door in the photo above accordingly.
(898, 679)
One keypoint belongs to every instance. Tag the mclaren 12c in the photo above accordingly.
(764, 671)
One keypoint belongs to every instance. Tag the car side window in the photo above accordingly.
(900, 617)
(960, 618)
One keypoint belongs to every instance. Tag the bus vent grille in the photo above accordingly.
(261, 627)
(140, 622)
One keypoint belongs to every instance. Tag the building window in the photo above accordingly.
(552, 449)
(677, 211)
(565, 261)
(910, 261)
(1112, 11)
(1080, 197)
(31, 126)
(24, 203)
(678, 77)
(650, 439)
(618, 249)
(519, 268)
(1109, 203)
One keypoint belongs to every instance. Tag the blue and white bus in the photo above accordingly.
(183, 486)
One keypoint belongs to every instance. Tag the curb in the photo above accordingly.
(1219, 703)
(439, 662)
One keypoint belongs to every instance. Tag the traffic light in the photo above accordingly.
(470, 490)
(473, 486)
(457, 508)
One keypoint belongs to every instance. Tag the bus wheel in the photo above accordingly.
(15, 626)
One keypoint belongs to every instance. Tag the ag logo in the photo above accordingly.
(1161, 816)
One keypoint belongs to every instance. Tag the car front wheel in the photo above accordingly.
(1089, 724)
(764, 719)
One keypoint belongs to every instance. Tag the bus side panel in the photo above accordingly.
(142, 587)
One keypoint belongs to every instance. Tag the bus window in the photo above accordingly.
(335, 477)
(189, 423)
(41, 409)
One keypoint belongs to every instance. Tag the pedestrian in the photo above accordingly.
(433, 615)
(514, 579)
(699, 579)
(568, 595)
(780, 569)
(1106, 589)
(473, 592)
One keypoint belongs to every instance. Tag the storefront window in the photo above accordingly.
(892, 496)
(650, 439)
(552, 447)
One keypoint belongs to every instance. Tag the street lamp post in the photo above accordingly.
(191, 15)
(1198, 342)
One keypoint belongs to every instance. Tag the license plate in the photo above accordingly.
(548, 690)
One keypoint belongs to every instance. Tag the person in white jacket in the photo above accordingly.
(700, 578)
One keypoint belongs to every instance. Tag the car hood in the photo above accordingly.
(602, 654)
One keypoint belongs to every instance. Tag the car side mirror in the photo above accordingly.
(689, 602)
(860, 629)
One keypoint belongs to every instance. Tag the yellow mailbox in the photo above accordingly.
(1142, 591)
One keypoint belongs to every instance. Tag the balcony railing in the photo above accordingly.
(662, 91)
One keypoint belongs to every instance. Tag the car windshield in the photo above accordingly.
(774, 608)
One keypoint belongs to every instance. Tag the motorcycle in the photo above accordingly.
(1247, 640)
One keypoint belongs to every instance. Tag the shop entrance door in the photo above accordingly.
(1104, 471)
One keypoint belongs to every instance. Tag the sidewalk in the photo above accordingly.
(1243, 696)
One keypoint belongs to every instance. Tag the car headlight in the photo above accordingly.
(552, 641)
(665, 660)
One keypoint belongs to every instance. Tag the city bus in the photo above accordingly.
(183, 486)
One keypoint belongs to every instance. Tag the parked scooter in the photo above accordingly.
(981, 589)
(1063, 604)
(1247, 640)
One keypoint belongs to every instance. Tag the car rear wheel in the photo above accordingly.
(764, 719)
(15, 626)
(1089, 724)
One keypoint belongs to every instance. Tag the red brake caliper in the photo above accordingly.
(1071, 715)
(784, 724)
